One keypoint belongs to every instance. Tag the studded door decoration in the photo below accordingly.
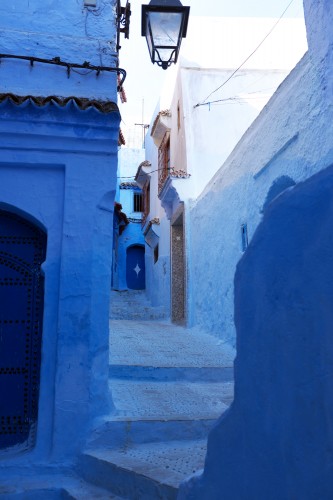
(22, 251)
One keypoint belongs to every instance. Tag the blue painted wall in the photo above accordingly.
(51, 29)
(50, 178)
(129, 160)
(58, 167)
(276, 440)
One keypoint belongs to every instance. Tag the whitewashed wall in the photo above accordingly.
(280, 143)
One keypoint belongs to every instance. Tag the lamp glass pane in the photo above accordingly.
(165, 54)
(148, 38)
(165, 28)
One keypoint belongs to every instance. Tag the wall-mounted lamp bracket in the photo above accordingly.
(123, 21)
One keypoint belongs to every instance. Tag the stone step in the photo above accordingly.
(150, 411)
(131, 305)
(161, 344)
(128, 293)
(142, 314)
(48, 485)
(170, 400)
(144, 472)
(120, 432)
(172, 373)
(128, 298)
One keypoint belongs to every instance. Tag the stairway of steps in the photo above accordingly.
(169, 385)
(133, 305)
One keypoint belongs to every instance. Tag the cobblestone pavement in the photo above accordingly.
(169, 384)
(154, 343)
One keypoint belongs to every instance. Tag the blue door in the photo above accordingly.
(22, 251)
(135, 268)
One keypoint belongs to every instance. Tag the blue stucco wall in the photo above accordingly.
(51, 29)
(132, 235)
(74, 202)
(290, 138)
(58, 166)
(275, 441)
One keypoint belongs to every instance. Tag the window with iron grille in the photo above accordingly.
(163, 161)
(137, 202)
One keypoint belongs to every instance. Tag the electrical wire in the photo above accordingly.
(204, 103)
(70, 66)
(239, 98)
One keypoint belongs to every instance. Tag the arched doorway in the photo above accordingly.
(135, 267)
(22, 251)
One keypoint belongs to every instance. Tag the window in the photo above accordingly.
(137, 202)
(245, 241)
(163, 161)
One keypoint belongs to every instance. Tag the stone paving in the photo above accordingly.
(157, 399)
(169, 385)
(157, 343)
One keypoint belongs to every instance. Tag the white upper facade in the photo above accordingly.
(212, 105)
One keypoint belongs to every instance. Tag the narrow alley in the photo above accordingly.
(169, 385)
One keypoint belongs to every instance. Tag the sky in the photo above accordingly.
(144, 80)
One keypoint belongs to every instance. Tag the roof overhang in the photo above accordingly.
(161, 125)
(142, 175)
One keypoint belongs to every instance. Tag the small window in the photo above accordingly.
(245, 240)
(138, 202)
(156, 254)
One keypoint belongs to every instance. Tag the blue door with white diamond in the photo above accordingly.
(135, 268)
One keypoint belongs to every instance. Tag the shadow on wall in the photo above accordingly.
(276, 441)
(279, 185)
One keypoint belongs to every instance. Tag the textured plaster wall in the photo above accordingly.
(157, 274)
(213, 131)
(178, 158)
(51, 29)
(128, 161)
(279, 143)
(276, 440)
(46, 157)
(44, 204)
(58, 165)
(208, 134)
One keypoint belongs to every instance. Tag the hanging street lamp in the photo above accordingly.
(164, 24)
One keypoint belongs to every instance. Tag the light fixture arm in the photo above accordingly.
(123, 21)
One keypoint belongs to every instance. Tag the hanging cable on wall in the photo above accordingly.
(71, 66)
(204, 103)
